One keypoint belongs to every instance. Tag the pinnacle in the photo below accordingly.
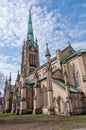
(47, 50)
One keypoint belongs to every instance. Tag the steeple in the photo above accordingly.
(30, 51)
(30, 35)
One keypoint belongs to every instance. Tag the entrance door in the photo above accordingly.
(60, 105)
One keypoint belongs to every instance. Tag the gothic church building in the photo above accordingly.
(57, 87)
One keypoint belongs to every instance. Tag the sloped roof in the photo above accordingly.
(72, 55)
(62, 60)
(54, 58)
(62, 84)
(12, 88)
(58, 81)
(68, 47)
(30, 81)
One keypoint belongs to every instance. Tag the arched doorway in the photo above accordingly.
(44, 96)
(60, 105)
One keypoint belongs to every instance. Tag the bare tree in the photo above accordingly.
(2, 80)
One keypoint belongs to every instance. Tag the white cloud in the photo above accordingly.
(9, 64)
(84, 5)
(77, 44)
(6, 67)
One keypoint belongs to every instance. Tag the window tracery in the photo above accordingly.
(76, 76)
(44, 96)
(54, 67)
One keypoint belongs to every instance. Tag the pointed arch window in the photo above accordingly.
(60, 103)
(76, 76)
(44, 96)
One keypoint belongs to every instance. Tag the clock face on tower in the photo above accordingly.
(32, 48)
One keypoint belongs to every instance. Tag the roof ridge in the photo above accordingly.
(73, 54)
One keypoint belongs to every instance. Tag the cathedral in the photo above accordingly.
(56, 87)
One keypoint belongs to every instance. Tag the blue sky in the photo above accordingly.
(54, 22)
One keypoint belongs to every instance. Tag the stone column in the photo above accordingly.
(49, 82)
(58, 55)
(37, 96)
(13, 110)
(37, 100)
(68, 104)
(82, 72)
(7, 106)
(23, 102)
(50, 101)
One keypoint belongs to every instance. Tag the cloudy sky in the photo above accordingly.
(55, 22)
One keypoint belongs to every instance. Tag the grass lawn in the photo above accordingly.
(53, 122)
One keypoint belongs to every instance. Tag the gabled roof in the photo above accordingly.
(30, 81)
(12, 88)
(58, 81)
(71, 87)
(68, 47)
(73, 55)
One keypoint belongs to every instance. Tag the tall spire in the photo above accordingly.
(30, 35)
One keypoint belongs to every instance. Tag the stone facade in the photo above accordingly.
(1, 104)
(57, 87)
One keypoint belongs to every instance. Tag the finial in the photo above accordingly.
(69, 44)
(47, 45)
(30, 19)
(47, 50)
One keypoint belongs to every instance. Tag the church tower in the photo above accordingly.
(30, 51)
